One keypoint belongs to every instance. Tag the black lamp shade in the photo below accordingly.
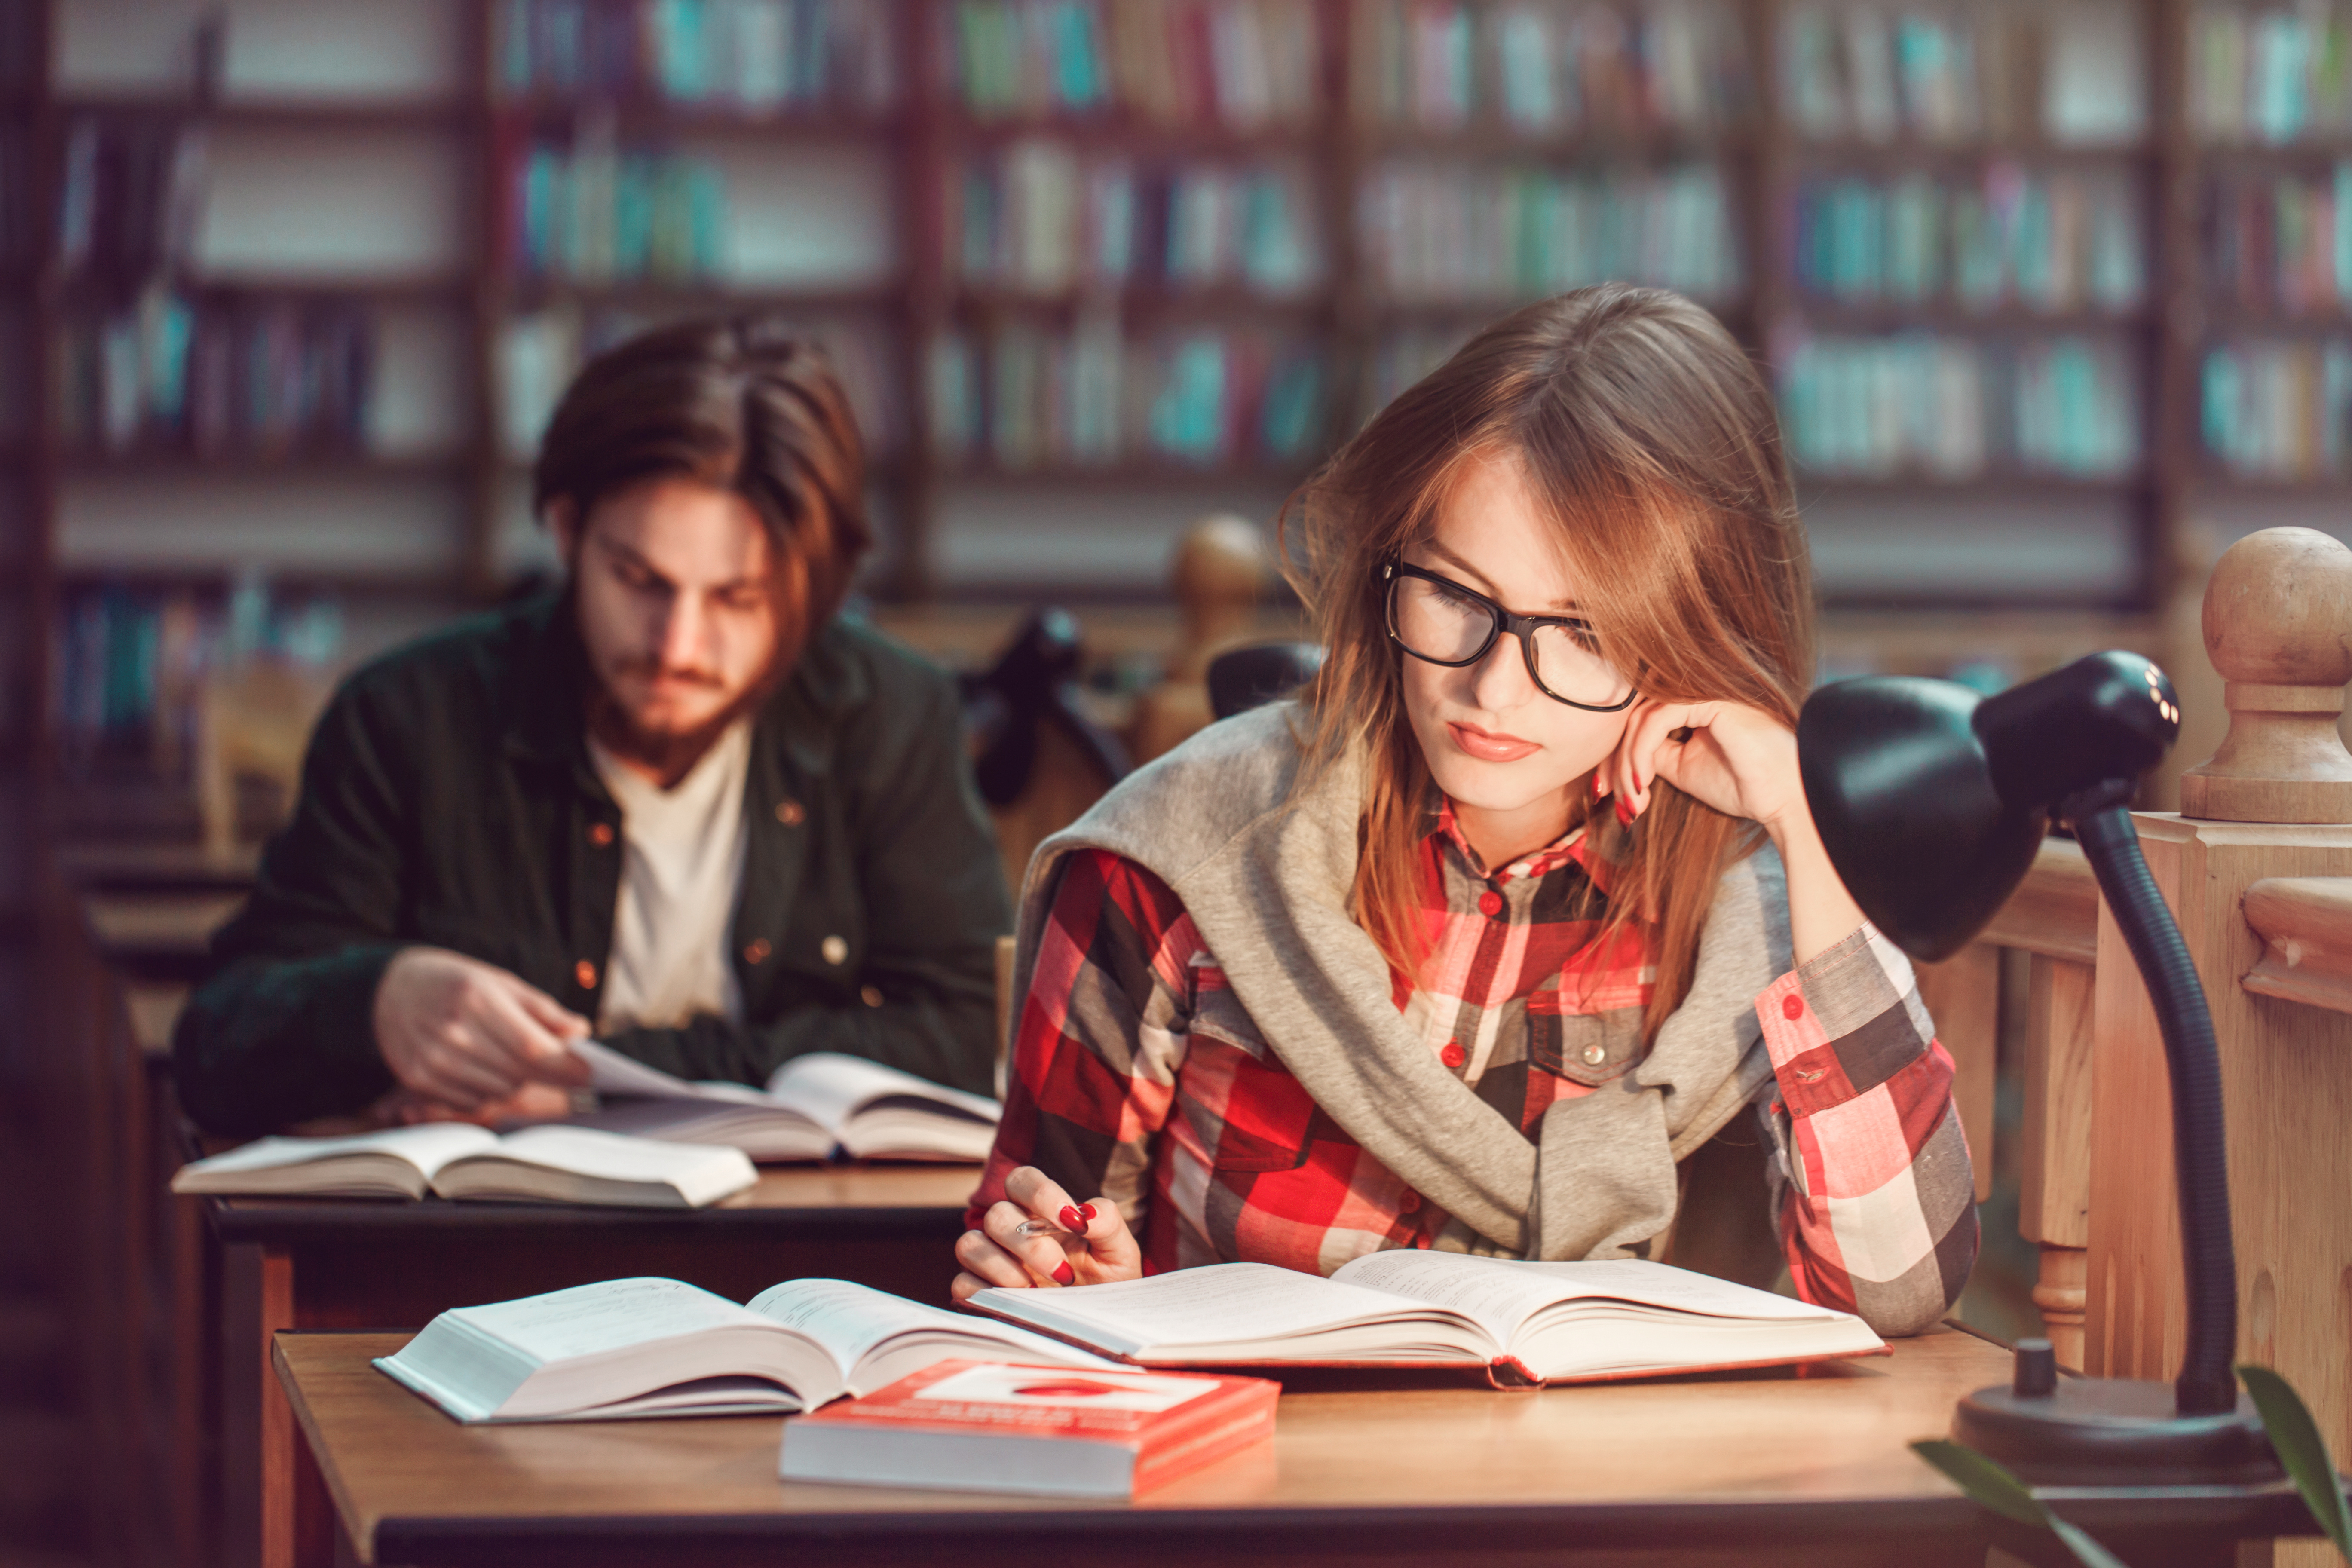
(1931, 800)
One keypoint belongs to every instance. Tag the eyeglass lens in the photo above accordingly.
(1442, 626)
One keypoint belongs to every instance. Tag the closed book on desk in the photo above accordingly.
(457, 1160)
(813, 1107)
(660, 1347)
(1039, 1429)
(1525, 1323)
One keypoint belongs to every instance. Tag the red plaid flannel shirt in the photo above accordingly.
(1139, 1077)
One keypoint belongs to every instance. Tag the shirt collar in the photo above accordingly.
(1570, 846)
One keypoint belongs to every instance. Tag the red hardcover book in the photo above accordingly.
(1055, 1430)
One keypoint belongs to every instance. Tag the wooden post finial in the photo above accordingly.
(2278, 627)
(1220, 572)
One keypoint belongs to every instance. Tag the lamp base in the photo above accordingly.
(2114, 1432)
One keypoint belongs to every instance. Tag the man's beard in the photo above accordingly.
(672, 754)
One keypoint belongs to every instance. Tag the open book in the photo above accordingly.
(813, 1105)
(458, 1160)
(658, 1347)
(1525, 1323)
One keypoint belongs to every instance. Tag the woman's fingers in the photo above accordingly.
(1038, 1192)
(991, 1264)
(1112, 1250)
(1648, 733)
(1035, 1243)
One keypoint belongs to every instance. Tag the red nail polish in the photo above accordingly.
(1064, 1274)
(1089, 1211)
(1624, 814)
(1071, 1218)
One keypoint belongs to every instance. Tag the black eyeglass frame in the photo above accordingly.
(1499, 621)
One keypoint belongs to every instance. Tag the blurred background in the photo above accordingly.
(2054, 296)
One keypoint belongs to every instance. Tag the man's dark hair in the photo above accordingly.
(739, 407)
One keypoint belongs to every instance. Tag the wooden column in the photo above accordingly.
(2053, 919)
(2275, 801)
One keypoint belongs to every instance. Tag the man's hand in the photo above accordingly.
(467, 1035)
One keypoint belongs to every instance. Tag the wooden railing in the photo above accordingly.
(2257, 867)
(2305, 924)
(2304, 927)
(2053, 920)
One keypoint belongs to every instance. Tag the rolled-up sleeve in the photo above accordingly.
(1878, 1205)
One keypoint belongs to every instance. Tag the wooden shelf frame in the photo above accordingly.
(923, 139)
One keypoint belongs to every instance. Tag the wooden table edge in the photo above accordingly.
(424, 1540)
(308, 1426)
(273, 1223)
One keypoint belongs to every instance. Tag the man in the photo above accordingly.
(678, 806)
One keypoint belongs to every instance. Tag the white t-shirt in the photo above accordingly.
(681, 867)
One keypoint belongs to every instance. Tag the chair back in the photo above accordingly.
(1245, 678)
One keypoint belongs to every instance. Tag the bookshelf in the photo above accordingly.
(1095, 267)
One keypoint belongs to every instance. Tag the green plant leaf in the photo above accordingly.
(1991, 1484)
(2088, 1552)
(2302, 1451)
(1986, 1480)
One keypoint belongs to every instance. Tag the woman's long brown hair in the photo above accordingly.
(1650, 439)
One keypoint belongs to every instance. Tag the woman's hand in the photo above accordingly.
(1742, 761)
(1038, 1236)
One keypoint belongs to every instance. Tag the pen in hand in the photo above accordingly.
(1037, 1236)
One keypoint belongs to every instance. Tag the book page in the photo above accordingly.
(1509, 1289)
(428, 1146)
(617, 1156)
(626, 1077)
(610, 1315)
(1493, 1292)
(1663, 1284)
(850, 1320)
(831, 1086)
(1241, 1303)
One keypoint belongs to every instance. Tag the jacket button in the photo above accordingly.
(756, 951)
(1792, 1005)
(869, 995)
(1490, 903)
(835, 949)
(790, 813)
(1454, 1056)
(585, 972)
(600, 834)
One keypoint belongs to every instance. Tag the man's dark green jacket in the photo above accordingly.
(449, 800)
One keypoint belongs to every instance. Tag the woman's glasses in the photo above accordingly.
(1437, 619)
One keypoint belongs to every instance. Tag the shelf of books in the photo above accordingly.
(24, 480)
(2033, 282)
(2269, 143)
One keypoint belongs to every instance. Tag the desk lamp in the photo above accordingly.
(1931, 801)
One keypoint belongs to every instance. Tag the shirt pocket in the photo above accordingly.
(1589, 1049)
(1218, 1014)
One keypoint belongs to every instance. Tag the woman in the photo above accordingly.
(1521, 903)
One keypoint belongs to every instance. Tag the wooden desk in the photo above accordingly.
(155, 868)
(348, 1264)
(1761, 1467)
(158, 936)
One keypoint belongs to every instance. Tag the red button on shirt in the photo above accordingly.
(1454, 1056)
(1408, 1202)
(1792, 1005)
(1490, 903)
